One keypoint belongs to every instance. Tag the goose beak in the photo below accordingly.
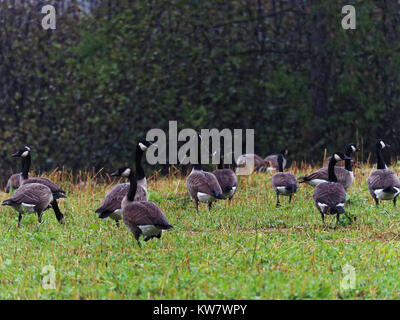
(14, 155)
(114, 174)
(347, 158)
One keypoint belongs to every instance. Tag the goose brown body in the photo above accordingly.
(344, 177)
(383, 184)
(144, 217)
(30, 198)
(203, 182)
(330, 197)
(228, 181)
(112, 202)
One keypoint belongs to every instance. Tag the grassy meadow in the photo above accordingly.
(246, 250)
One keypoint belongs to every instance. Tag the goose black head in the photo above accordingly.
(351, 147)
(122, 172)
(338, 156)
(23, 152)
(144, 144)
(284, 152)
(380, 144)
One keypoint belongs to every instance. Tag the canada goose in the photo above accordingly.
(13, 182)
(344, 176)
(25, 154)
(383, 184)
(284, 183)
(111, 205)
(227, 180)
(272, 160)
(142, 217)
(30, 198)
(330, 197)
(245, 160)
(203, 186)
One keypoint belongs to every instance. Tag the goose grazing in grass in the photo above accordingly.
(30, 198)
(245, 161)
(25, 154)
(284, 183)
(227, 180)
(111, 205)
(383, 184)
(330, 197)
(142, 217)
(203, 186)
(344, 175)
(272, 160)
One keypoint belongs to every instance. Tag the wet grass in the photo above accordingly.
(246, 250)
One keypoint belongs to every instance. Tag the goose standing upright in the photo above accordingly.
(330, 197)
(383, 184)
(203, 186)
(284, 183)
(142, 217)
(227, 180)
(344, 175)
(111, 205)
(271, 161)
(25, 154)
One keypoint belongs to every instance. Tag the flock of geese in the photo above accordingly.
(129, 201)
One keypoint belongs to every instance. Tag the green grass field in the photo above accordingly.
(248, 250)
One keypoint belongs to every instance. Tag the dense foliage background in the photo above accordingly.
(83, 93)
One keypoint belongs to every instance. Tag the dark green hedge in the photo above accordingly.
(83, 93)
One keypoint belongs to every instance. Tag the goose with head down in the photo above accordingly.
(227, 180)
(203, 186)
(30, 198)
(383, 184)
(284, 183)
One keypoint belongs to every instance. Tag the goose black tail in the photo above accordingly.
(389, 189)
(220, 196)
(291, 188)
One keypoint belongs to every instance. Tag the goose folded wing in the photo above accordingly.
(145, 213)
(113, 198)
(330, 193)
(28, 194)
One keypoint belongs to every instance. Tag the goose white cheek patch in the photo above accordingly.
(337, 158)
(126, 173)
(353, 148)
(25, 154)
(142, 146)
(383, 144)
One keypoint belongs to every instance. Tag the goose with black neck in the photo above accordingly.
(57, 192)
(330, 197)
(344, 176)
(142, 217)
(111, 205)
(383, 184)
